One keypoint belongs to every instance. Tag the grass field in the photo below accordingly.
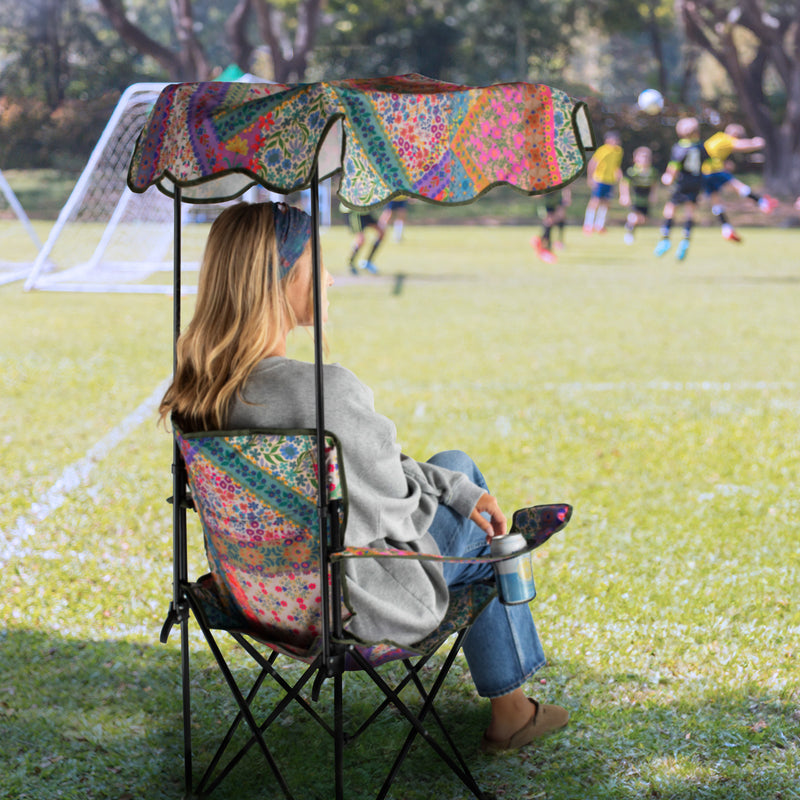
(659, 398)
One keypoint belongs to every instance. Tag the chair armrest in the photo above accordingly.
(536, 524)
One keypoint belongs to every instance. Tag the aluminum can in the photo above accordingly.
(514, 576)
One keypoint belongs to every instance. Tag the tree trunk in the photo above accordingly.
(192, 57)
(289, 55)
(236, 31)
(776, 45)
(654, 31)
(140, 41)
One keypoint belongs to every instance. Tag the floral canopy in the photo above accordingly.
(401, 136)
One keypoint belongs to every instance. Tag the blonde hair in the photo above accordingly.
(241, 315)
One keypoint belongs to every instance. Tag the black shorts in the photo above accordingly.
(359, 222)
(686, 192)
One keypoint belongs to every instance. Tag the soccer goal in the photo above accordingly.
(19, 242)
(110, 239)
(107, 238)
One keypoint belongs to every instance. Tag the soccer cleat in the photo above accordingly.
(353, 268)
(547, 255)
(369, 267)
(628, 237)
(663, 246)
(767, 204)
(683, 249)
(587, 229)
(731, 235)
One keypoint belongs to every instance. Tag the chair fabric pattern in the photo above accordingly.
(256, 495)
(404, 135)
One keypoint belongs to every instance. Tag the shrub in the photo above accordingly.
(32, 136)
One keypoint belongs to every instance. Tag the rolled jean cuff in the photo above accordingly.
(503, 649)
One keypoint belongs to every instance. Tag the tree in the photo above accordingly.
(286, 28)
(483, 41)
(54, 50)
(757, 42)
(654, 18)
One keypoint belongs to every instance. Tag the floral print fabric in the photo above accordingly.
(256, 496)
(406, 135)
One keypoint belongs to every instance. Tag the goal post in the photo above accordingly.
(106, 238)
(17, 268)
(109, 239)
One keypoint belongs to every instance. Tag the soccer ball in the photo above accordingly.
(651, 101)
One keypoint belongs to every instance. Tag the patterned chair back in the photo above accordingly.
(256, 495)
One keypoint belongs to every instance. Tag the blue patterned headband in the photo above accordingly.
(292, 231)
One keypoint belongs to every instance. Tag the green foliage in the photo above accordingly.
(31, 135)
(476, 43)
(660, 398)
(56, 50)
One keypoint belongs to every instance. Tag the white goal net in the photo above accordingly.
(107, 238)
(110, 239)
(19, 242)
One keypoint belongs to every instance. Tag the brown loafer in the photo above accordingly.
(546, 719)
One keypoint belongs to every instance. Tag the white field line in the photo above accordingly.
(77, 473)
(579, 387)
(73, 476)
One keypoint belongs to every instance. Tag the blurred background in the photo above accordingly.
(65, 63)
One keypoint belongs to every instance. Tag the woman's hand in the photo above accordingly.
(496, 525)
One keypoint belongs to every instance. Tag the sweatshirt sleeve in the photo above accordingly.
(453, 489)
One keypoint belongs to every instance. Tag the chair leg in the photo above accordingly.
(187, 706)
(338, 739)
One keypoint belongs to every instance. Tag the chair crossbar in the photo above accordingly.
(292, 690)
(245, 711)
(417, 728)
(292, 693)
(226, 740)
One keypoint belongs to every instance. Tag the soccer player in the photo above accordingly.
(359, 222)
(396, 212)
(603, 172)
(555, 206)
(636, 190)
(719, 148)
(685, 174)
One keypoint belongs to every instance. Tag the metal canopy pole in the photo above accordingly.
(333, 659)
(179, 608)
(179, 555)
(319, 390)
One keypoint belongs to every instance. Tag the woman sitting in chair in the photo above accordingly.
(232, 373)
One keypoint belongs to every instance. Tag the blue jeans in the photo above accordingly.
(502, 647)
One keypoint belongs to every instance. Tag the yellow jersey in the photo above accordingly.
(607, 163)
(719, 147)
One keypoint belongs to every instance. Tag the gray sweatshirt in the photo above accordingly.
(392, 498)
